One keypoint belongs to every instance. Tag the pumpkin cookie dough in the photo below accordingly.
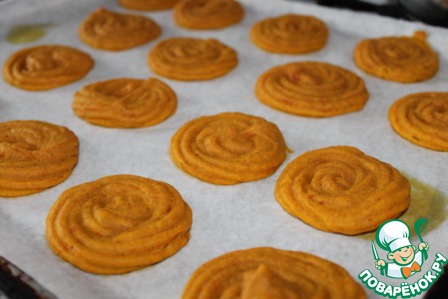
(340, 189)
(118, 224)
(313, 89)
(290, 34)
(148, 4)
(266, 272)
(228, 148)
(125, 103)
(46, 67)
(35, 155)
(107, 30)
(422, 118)
(207, 14)
(190, 59)
(400, 59)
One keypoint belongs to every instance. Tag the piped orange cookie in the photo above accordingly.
(313, 89)
(228, 148)
(125, 103)
(34, 156)
(107, 30)
(207, 14)
(190, 59)
(118, 224)
(422, 118)
(402, 59)
(271, 273)
(148, 4)
(290, 34)
(342, 190)
(46, 67)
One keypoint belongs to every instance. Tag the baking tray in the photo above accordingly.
(225, 218)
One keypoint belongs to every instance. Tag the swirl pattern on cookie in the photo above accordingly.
(34, 156)
(290, 34)
(190, 59)
(46, 67)
(228, 148)
(125, 103)
(107, 30)
(148, 4)
(266, 272)
(118, 224)
(422, 118)
(342, 190)
(314, 89)
(400, 59)
(207, 14)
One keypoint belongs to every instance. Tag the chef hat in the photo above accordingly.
(393, 235)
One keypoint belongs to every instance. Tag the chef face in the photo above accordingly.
(402, 256)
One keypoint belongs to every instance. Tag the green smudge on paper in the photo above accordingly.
(26, 33)
(426, 202)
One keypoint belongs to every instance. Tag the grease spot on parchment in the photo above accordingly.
(22, 34)
(426, 202)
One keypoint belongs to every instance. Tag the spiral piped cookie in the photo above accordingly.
(46, 67)
(190, 59)
(125, 103)
(342, 190)
(266, 272)
(401, 59)
(118, 224)
(207, 14)
(228, 148)
(148, 4)
(313, 89)
(290, 34)
(107, 30)
(34, 156)
(422, 118)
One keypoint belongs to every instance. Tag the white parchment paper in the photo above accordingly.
(226, 218)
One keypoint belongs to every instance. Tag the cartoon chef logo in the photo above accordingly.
(405, 259)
